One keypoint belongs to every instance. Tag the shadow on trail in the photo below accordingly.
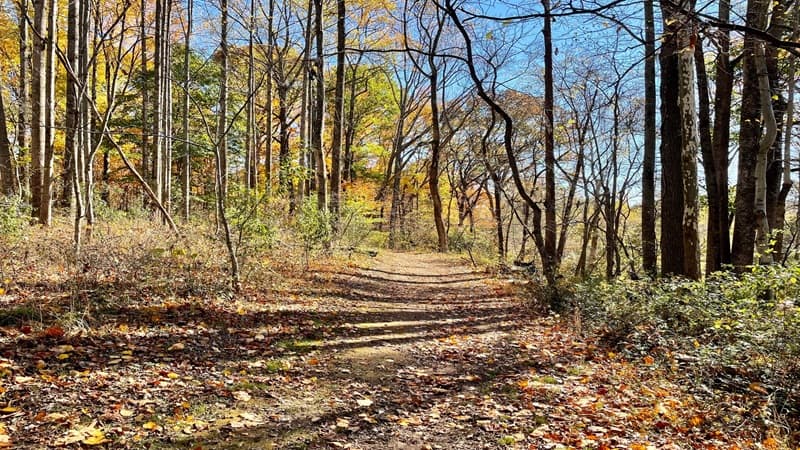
(328, 313)
(420, 275)
(431, 282)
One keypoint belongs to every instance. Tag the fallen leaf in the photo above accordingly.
(95, 437)
(242, 396)
(178, 346)
(364, 402)
(54, 331)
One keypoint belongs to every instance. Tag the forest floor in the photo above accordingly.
(401, 351)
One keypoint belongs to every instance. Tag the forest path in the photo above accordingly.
(415, 323)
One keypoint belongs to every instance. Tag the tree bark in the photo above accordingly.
(144, 167)
(689, 144)
(251, 144)
(187, 148)
(765, 144)
(672, 256)
(72, 97)
(649, 257)
(319, 111)
(709, 166)
(7, 177)
(721, 142)
(222, 147)
(744, 230)
(338, 112)
(436, 140)
(269, 83)
(549, 150)
(23, 128)
(39, 108)
(786, 185)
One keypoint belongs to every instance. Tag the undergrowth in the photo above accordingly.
(730, 332)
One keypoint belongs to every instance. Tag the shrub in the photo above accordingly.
(14, 216)
(354, 227)
(313, 226)
(749, 321)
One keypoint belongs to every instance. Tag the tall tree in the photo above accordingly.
(39, 78)
(649, 163)
(187, 78)
(251, 138)
(338, 111)
(689, 142)
(71, 138)
(24, 90)
(716, 167)
(221, 147)
(672, 256)
(744, 230)
(162, 104)
(7, 175)
(549, 148)
(318, 121)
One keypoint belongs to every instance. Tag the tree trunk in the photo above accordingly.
(145, 149)
(551, 267)
(222, 146)
(251, 144)
(283, 142)
(23, 128)
(721, 140)
(395, 211)
(7, 178)
(689, 139)
(269, 83)
(765, 144)
(436, 140)
(39, 106)
(744, 230)
(709, 167)
(158, 137)
(786, 185)
(338, 112)
(71, 140)
(319, 110)
(187, 148)
(672, 256)
(349, 172)
(649, 163)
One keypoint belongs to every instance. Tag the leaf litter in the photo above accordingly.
(416, 351)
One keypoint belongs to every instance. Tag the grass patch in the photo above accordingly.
(301, 346)
(18, 315)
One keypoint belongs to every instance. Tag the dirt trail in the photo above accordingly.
(407, 319)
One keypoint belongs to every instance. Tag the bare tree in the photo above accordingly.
(338, 112)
